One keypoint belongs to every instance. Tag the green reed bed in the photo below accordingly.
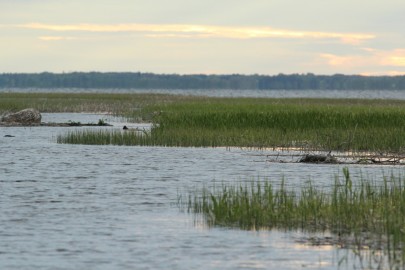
(365, 215)
(274, 125)
(125, 103)
(277, 123)
(279, 116)
(366, 140)
(343, 208)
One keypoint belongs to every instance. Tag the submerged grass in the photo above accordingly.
(371, 215)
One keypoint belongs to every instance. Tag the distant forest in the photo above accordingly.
(139, 80)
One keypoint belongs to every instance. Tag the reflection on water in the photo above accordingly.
(114, 207)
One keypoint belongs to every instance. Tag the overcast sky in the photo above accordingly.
(211, 36)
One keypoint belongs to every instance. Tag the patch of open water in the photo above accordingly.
(114, 207)
(362, 94)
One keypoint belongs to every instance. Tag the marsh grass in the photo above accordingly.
(321, 127)
(133, 105)
(307, 127)
(97, 136)
(308, 124)
(363, 215)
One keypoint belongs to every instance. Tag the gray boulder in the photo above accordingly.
(26, 116)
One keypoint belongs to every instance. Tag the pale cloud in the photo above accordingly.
(395, 58)
(388, 62)
(203, 31)
(55, 38)
(348, 61)
(384, 73)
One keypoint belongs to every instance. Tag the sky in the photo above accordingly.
(267, 37)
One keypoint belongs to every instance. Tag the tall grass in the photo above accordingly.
(211, 123)
(364, 215)
(273, 125)
(104, 137)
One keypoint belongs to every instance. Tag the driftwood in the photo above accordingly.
(318, 159)
(363, 158)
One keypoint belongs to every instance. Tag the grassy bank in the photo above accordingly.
(366, 215)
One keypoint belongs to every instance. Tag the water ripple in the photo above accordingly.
(114, 207)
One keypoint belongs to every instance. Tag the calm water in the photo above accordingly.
(364, 94)
(111, 207)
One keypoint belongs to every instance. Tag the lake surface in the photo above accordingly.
(362, 94)
(115, 207)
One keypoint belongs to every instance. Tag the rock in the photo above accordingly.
(27, 116)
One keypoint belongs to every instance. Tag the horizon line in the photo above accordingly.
(205, 74)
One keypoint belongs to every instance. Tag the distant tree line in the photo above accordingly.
(128, 80)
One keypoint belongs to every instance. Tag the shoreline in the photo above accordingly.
(44, 124)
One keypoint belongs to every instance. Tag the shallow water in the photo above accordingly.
(115, 207)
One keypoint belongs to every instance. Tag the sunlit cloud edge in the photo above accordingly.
(201, 31)
(373, 63)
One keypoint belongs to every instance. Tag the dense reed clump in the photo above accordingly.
(105, 137)
(285, 125)
(363, 215)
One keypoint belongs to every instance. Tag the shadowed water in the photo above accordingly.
(115, 207)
